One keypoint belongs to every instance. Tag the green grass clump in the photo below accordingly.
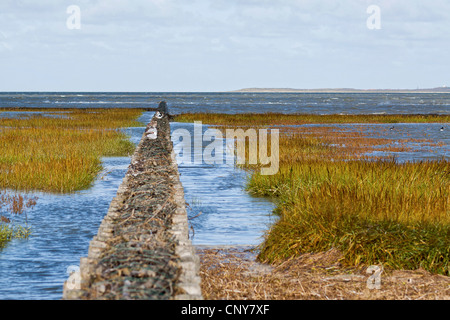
(8, 232)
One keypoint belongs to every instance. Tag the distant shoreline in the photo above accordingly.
(249, 90)
(342, 90)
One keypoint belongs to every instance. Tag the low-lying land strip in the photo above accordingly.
(443, 89)
(276, 119)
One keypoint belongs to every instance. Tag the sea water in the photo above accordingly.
(221, 212)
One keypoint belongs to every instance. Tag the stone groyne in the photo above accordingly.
(142, 249)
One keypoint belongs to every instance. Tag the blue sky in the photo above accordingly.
(221, 45)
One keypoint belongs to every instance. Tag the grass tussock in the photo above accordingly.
(8, 232)
(331, 195)
(374, 212)
(11, 207)
(61, 154)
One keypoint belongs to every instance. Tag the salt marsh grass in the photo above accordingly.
(372, 211)
(331, 194)
(61, 154)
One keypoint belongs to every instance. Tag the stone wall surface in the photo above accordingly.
(142, 249)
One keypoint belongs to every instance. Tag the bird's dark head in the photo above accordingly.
(162, 107)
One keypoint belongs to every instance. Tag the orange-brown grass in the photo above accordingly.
(61, 154)
(375, 212)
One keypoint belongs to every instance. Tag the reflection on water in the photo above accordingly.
(225, 214)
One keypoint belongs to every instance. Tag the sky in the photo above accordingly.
(222, 45)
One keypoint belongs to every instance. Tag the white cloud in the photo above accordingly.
(225, 43)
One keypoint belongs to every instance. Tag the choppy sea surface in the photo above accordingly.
(229, 102)
(221, 212)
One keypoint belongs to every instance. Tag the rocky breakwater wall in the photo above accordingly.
(142, 249)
